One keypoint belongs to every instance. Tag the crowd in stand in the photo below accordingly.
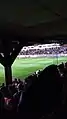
(11, 94)
(58, 50)
(43, 94)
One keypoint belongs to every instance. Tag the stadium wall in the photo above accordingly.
(43, 55)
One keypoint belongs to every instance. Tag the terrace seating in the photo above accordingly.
(38, 96)
(56, 50)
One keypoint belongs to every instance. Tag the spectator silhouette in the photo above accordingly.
(43, 96)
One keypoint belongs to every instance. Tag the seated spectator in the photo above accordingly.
(12, 89)
(66, 68)
(61, 67)
(15, 81)
(3, 84)
(5, 91)
(21, 87)
(19, 81)
(66, 64)
(1, 102)
(37, 72)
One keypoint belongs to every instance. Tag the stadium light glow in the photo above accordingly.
(2, 54)
(13, 49)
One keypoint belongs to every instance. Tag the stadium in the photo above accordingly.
(28, 67)
(36, 57)
(33, 59)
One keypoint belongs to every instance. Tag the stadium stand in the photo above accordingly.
(43, 94)
(43, 50)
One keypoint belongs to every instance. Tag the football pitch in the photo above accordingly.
(21, 68)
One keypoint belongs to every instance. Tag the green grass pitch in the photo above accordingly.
(21, 68)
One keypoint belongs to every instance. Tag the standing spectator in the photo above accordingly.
(19, 81)
(15, 82)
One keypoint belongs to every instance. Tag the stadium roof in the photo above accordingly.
(33, 18)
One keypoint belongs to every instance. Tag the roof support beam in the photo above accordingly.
(7, 64)
(9, 54)
(2, 60)
(8, 75)
(15, 52)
